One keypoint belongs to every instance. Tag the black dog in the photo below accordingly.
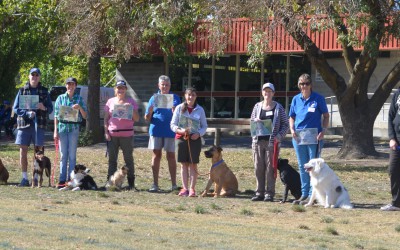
(41, 164)
(290, 178)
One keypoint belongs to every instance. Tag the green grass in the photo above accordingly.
(46, 218)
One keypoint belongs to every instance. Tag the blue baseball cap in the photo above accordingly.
(34, 70)
(120, 83)
(6, 102)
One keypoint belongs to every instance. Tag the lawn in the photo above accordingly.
(46, 218)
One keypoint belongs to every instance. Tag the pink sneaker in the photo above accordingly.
(192, 193)
(183, 192)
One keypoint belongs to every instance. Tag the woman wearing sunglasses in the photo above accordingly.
(307, 129)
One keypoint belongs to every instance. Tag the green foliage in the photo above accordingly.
(199, 209)
(298, 208)
(332, 230)
(246, 212)
(85, 138)
(304, 227)
(327, 219)
(27, 27)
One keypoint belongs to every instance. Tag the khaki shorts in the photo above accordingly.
(162, 142)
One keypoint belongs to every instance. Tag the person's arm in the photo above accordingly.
(325, 124)
(149, 113)
(291, 127)
(284, 124)
(81, 106)
(106, 121)
(175, 121)
(391, 126)
(135, 115)
(48, 105)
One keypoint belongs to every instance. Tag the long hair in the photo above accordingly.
(185, 105)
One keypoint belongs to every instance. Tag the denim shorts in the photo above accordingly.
(162, 142)
(27, 135)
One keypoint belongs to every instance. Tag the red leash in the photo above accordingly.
(275, 158)
(55, 162)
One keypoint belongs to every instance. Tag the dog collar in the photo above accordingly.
(217, 163)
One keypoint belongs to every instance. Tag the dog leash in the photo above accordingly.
(55, 162)
(275, 158)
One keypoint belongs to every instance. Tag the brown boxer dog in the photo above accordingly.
(225, 181)
(3, 174)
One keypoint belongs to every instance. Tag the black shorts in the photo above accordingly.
(182, 149)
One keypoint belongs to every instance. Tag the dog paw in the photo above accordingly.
(308, 205)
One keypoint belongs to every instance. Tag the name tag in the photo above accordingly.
(311, 109)
(268, 113)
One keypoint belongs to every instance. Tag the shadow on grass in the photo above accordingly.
(364, 169)
(367, 206)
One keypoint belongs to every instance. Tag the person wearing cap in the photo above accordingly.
(306, 110)
(263, 145)
(118, 130)
(31, 121)
(161, 135)
(69, 110)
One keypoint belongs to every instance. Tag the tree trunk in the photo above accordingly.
(93, 121)
(358, 141)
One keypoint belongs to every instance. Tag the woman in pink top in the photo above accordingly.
(120, 113)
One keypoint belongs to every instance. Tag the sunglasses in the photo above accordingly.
(305, 83)
(34, 74)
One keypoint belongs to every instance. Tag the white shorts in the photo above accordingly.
(162, 142)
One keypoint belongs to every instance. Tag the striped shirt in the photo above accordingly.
(63, 100)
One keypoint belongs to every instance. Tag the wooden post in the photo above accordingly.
(217, 136)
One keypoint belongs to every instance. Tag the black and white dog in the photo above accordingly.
(290, 178)
(80, 180)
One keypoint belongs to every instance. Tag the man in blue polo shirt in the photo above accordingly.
(161, 135)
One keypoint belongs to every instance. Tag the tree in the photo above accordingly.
(122, 28)
(27, 27)
(382, 19)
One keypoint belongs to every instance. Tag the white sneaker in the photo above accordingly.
(154, 188)
(390, 207)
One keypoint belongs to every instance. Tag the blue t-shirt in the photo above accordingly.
(307, 113)
(161, 119)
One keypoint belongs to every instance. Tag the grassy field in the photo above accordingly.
(46, 218)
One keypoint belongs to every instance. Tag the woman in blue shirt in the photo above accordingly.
(306, 111)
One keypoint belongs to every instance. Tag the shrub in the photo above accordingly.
(85, 138)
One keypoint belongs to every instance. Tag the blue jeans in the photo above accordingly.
(68, 146)
(304, 154)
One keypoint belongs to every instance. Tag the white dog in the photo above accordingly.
(327, 188)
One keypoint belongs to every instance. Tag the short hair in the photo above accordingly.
(304, 78)
(164, 78)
